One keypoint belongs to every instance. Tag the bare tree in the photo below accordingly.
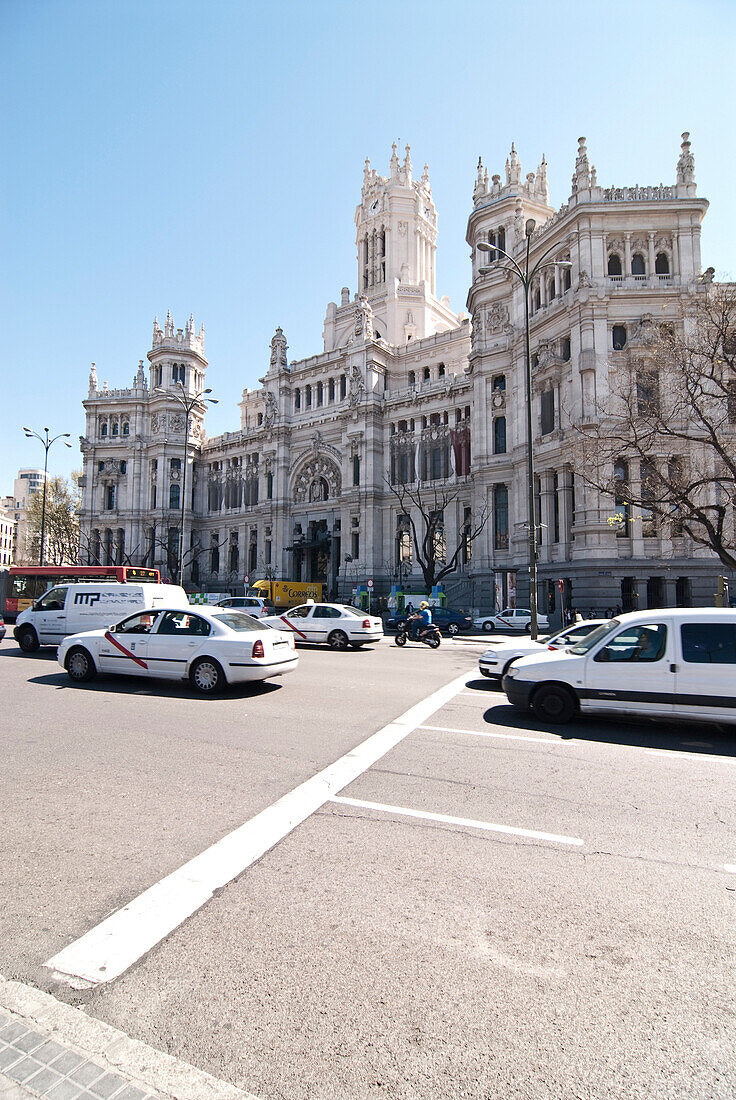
(435, 558)
(60, 522)
(663, 443)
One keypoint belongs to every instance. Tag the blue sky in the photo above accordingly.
(207, 158)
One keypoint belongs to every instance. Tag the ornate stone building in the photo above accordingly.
(406, 390)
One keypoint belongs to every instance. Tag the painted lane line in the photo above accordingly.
(502, 736)
(467, 822)
(674, 755)
(731, 867)
(107, 950)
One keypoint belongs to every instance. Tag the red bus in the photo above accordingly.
(20, 585)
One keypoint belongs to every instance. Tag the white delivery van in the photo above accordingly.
(71, 608)
(668, 663)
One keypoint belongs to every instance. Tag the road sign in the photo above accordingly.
(560, 585)
(246, 579)
(370, 583)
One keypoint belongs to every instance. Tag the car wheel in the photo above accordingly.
(79, 665)
(338, 639)
(554, 703)
(452, 629)
(488, 626)
(28, 639)
(206, 676)
(528, 628)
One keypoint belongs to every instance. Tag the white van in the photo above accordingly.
(669, 663)
(71, 608)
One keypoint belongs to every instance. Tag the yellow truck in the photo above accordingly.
(283, 594)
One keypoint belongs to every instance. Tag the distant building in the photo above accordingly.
(7, 537)
(28, 482)
(407, 390)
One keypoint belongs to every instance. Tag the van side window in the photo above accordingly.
(53, 600)
(709, 643)
(638, 643)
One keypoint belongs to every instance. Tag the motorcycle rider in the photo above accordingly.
(421, 620)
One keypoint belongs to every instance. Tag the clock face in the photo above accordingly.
(427, 212)
(375, 206)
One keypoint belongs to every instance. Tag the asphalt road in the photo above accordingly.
(380, 949)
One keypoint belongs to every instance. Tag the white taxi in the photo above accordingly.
(336, 625)
(511, 618)
(211, 647)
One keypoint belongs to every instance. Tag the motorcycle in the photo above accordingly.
(431, 637)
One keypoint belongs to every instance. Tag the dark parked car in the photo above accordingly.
(2, 629)
(449, 621)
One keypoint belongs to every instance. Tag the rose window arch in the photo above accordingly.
(317, 480)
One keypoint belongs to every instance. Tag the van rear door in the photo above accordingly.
(706, 669)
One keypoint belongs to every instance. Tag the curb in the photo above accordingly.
(143, 1067)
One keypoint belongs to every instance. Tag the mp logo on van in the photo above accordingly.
(89, 599)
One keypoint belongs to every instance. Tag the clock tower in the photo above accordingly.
(396, 238)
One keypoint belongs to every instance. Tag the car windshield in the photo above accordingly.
(239, 621)
(594, 637)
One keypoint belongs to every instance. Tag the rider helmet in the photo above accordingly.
(423, 604)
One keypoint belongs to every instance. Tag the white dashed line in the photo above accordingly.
(731, 867)
(468, 823)
(106, 951)
(502, 736)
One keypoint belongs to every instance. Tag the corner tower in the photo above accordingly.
(396, 238)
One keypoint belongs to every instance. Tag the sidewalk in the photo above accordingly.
(50, 1049)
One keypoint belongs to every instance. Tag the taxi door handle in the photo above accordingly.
(673, 668)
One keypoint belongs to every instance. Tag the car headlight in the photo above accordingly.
(512, 671)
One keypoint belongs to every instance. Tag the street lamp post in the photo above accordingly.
(526, 277)
(188, 402)
(46, 444)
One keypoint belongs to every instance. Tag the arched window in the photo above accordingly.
(412, 378)
(320, 393)
(551, 287)
(566, 278)
(103, 428)
(426, 374)
(441, 370)
(174, 496)
(565, 351)
(499, 435)
(537, 299)
(297, 400)
(126, 428)
(614, 264)
(115, 428)
(638, 267)
(662, 264)
(308, 394)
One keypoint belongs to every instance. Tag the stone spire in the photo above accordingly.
(168, 324)
(542, 185)
(394, 162)
(513, 168)
(407, 166)
(425, 177)
(581, 178)
(140, 379)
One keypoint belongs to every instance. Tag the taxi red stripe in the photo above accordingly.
(122, 649)
(292, 627)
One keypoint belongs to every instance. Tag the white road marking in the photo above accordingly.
(690, 755)
(503, 736)
(467, 822)
(730, 867)
(107, 950)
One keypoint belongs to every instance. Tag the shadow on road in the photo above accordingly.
(163, 689)
(688, 736)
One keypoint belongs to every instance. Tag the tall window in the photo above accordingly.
(618, 337)
(356, 470)
(109, 500)
(555, 508)
(297, 400)
(214, 553)
(620, 498)
(647, 473)
(308, 396)
(662, 264)
(174, 496)
(320, 393)
(499, 435)
(614, 264)
(548, 411)
(647, 393)
(501, 517)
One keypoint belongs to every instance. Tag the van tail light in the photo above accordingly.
(258, 648)
(366, 624)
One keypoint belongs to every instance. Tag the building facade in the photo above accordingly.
(406, 391)
(28, 482)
